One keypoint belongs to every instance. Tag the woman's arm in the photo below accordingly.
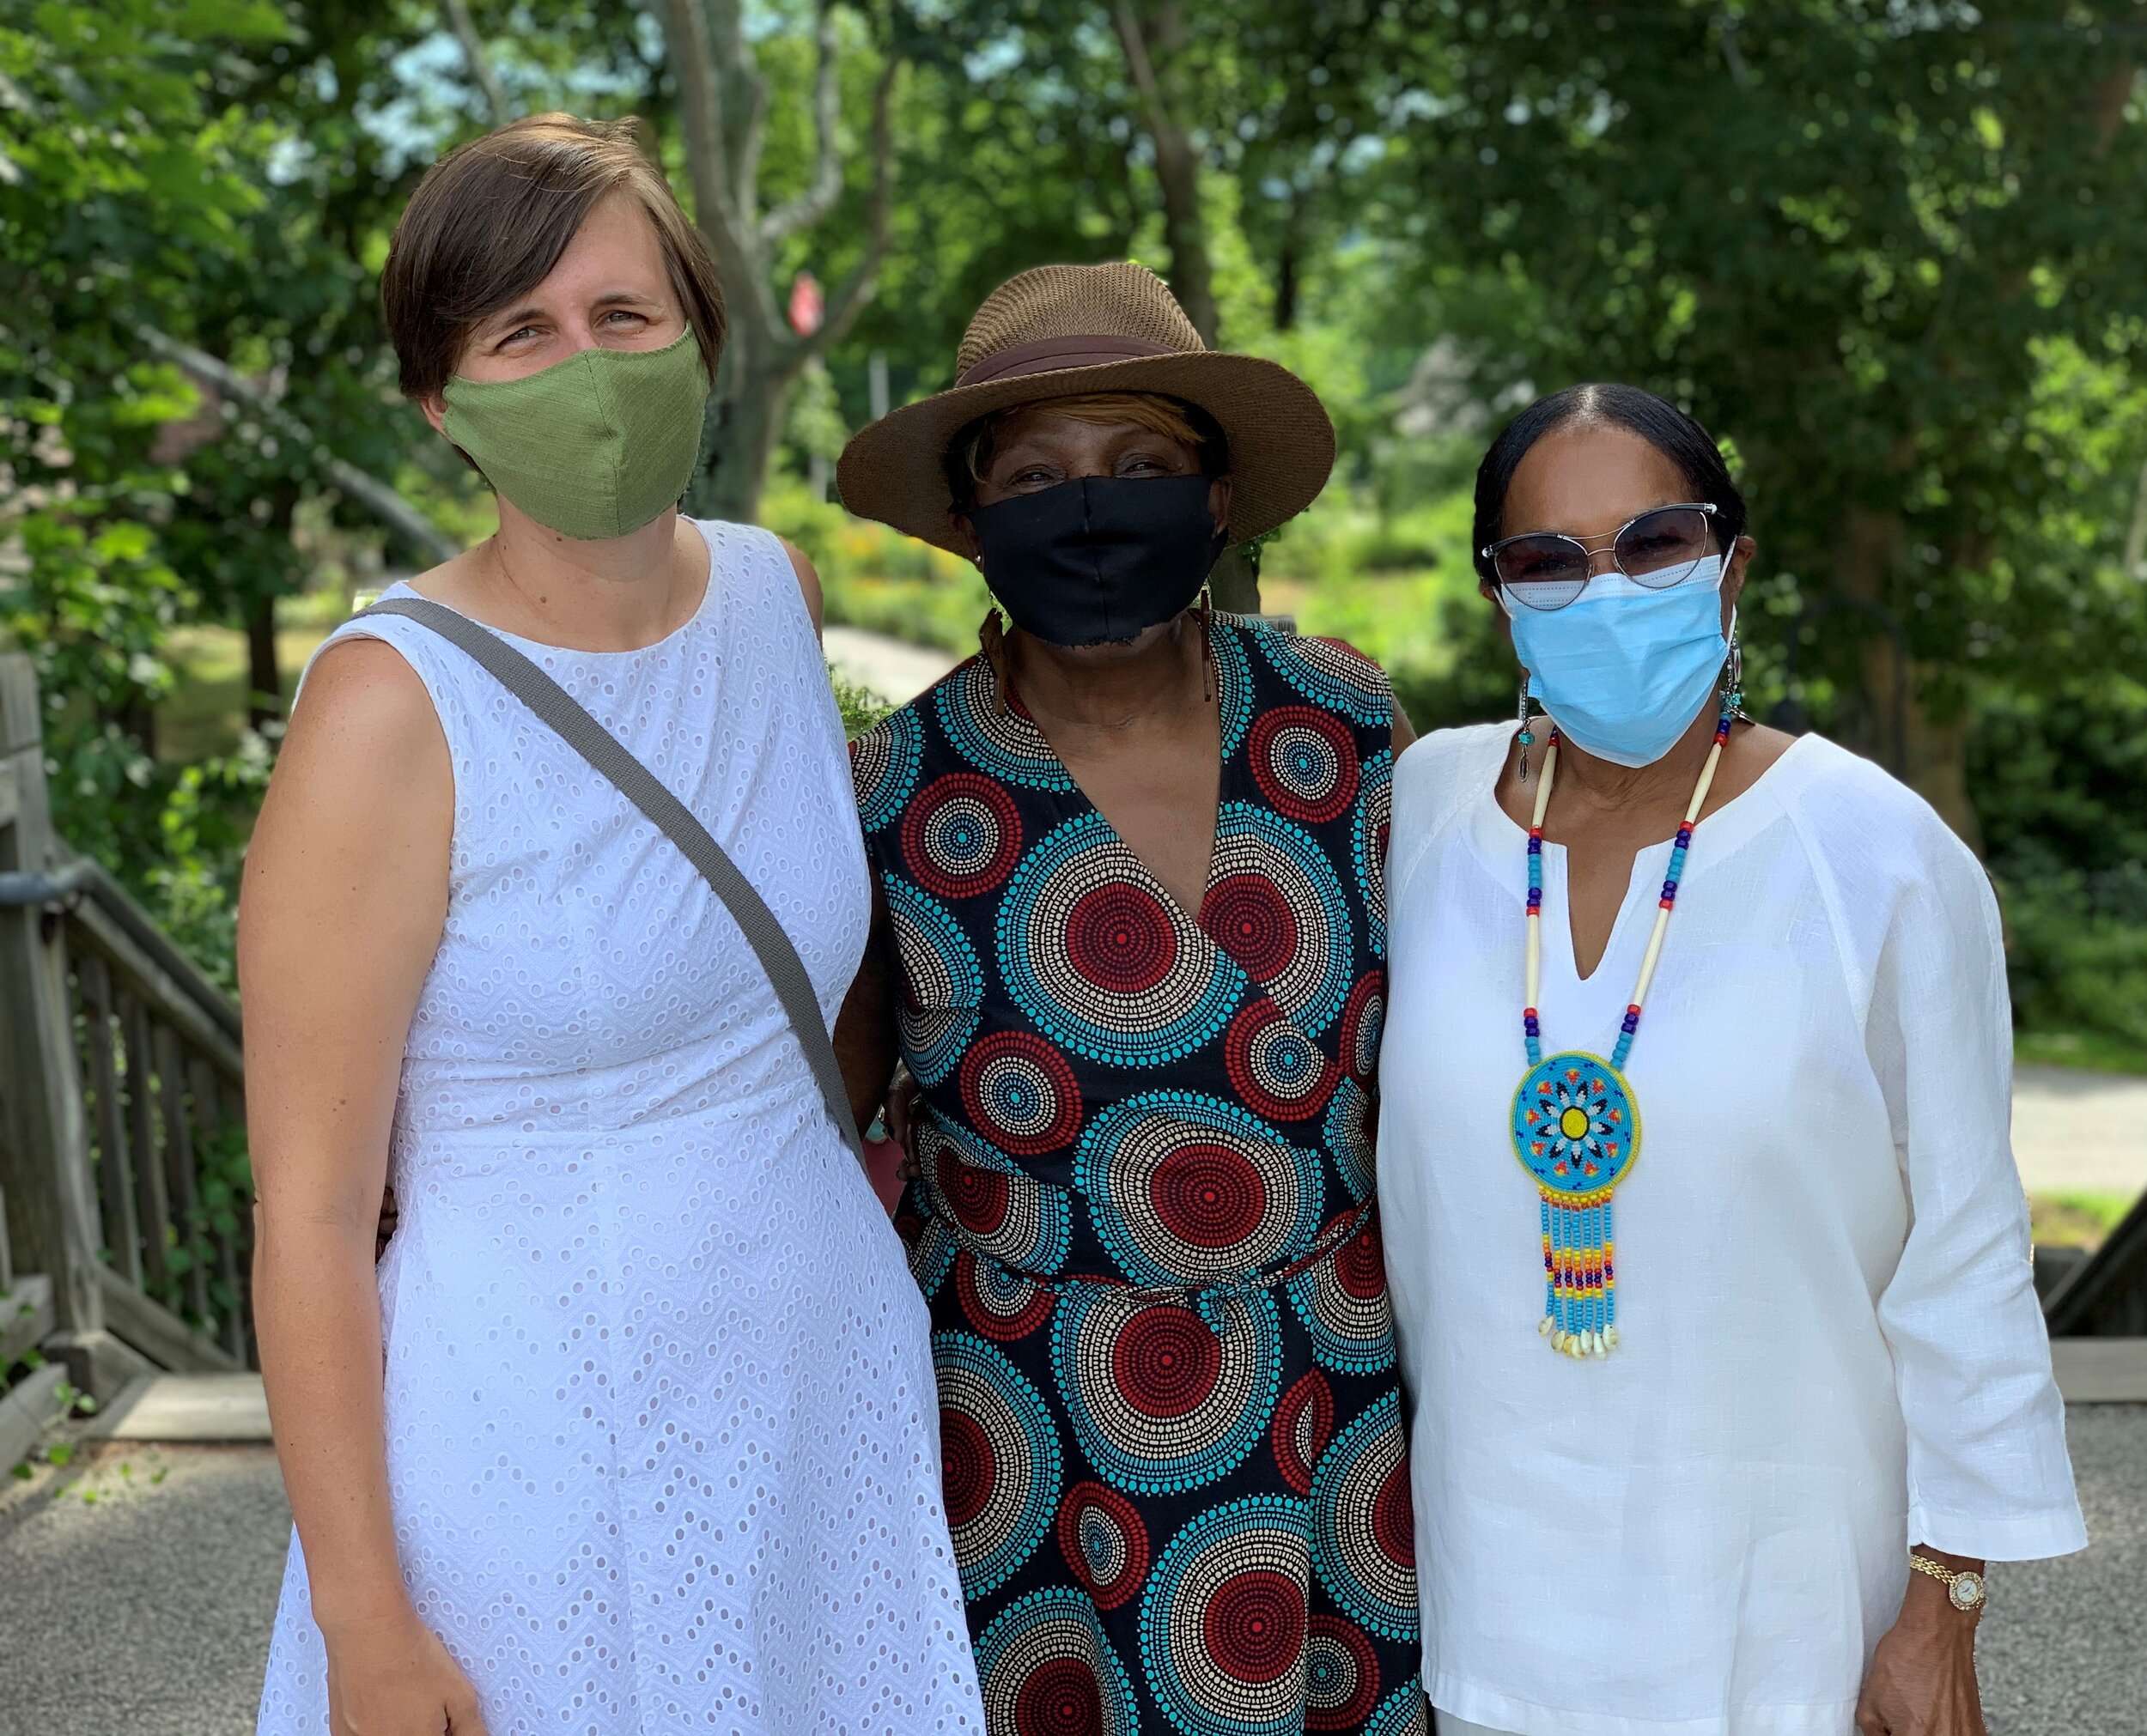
(344, 898)
(865, 1028)
(1987, 1472)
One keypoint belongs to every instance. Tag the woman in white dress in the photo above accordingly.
(656, 1447)
(1752, 1318)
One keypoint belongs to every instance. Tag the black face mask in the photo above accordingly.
(1099, 558)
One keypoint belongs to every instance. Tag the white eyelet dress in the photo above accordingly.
(661, 1423)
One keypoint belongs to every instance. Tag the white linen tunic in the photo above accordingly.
(661, 1422)
(1831, 1343)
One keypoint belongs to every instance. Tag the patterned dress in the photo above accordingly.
(1175, 1463)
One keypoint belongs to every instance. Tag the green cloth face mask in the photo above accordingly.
(593, 446)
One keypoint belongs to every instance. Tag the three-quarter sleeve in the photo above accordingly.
(1988, 1475)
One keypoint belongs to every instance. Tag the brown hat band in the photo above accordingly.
(1048, 354)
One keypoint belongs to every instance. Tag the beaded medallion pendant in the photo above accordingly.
(1576, 1125)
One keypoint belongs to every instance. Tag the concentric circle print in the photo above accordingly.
(1303, 1420)
(1188, 1189)
(1105, 1541)
(1370, 829)
(931, 1247)
(1002, 1305)
(1233, 684)
(1274, 903)
(1092, 950)
(1223, 1621)
(996, 1208)
(1347, 1134)
(1021, 1090)
(1334, 675)
(1364, 1023)
(961, 835)
(1342, 1675)
(1046, 1670)
(1000, 1457)
(1280, 1071)
(1405, 1711)
(1005, 745)
(1343, 1302)
(1305, 761)
(1363, 1527)
(942, 981)
(1157, 1400)
(884, 763)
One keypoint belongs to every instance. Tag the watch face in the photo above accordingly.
(1966, 1590)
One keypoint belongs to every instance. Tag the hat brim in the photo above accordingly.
(1281, 443)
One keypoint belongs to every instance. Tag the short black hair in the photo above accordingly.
(1656, 421)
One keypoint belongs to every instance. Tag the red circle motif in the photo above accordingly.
(1304, 1423)
(1017, 1312)
(961, 835)
(1277, 1071)
(1394, 1517)
(1105, 1541)
(1020, 1091)
(1364, 1019)
(1346, 1700)
(1059, 1697)
(1251, 918)
(1165, 1361)
(1209, 1195)
(978, 1198)
(1120, 938)
(1254, 1625)
(1305, 761)
(968, 1469)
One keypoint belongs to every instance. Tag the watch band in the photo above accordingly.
(1965, 1591)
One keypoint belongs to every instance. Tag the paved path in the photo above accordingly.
(148, 1610)
(2075, 1132)
(895, 671)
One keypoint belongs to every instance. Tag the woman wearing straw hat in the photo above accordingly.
(1129, 888)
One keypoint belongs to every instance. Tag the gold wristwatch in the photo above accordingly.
(1965, 1591)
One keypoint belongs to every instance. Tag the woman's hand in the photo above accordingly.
(390, 1676)
(901, 1112)
(1922, 1679)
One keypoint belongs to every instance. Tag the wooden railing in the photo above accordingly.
(122, 1105)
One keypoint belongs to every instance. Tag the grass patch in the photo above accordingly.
(2096, 1051)
(2077, 1220)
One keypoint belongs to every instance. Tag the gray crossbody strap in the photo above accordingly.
(587, 736)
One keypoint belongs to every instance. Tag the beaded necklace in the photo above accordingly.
(1576, 1125)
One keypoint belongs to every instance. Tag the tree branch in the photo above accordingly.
(690, 50)
(1176, 165)
(367, 490)
(817, 199)
(849, 301)
(478, 62)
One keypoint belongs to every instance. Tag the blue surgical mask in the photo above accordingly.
(1623, 669)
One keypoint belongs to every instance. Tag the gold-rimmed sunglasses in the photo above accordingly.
(1660, 549)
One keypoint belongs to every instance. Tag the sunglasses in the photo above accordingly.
(1542, 569)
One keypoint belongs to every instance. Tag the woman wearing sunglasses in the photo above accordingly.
(1709, 1259)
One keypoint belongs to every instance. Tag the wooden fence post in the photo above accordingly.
(44, 1140)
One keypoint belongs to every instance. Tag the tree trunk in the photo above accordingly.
(1149, 45)
(738, 441)
(265, 679)
(1888, 719)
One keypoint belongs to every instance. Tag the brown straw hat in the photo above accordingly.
(1067, 330)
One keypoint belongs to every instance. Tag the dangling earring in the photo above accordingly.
(1208, 671)
(991, 640)
(1733, 677)
(1526, 737)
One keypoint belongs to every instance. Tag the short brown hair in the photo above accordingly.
(491, 220)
